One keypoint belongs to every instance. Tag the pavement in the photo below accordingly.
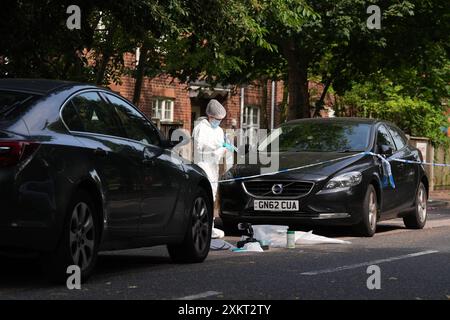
(439, 198)
(413, 265)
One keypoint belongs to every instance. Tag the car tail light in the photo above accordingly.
(14, 152)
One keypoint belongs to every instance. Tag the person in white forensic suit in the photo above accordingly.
(210, 147)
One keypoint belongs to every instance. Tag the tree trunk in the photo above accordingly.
(321, 102)
(101, 71)
(106, 56)
(140, 73)
(298, 106)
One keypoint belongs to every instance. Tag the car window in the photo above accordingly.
(71, 118)
(399, 140)
(10, 101)
(135, 125)
(318, 136)
(87, 112)
(384, 138)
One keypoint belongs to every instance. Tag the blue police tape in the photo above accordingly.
(287, 170)
(425, 163)
(388, 178)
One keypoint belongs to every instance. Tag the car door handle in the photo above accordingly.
(100, 152)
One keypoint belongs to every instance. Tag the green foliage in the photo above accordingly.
(35, 42)
(385, 100)
(238, 41)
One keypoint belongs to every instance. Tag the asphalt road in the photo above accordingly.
(413, 264)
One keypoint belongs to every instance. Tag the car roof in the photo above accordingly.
(336, 120)
(37, 86)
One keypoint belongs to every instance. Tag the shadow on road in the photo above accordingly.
(26, 272)
(16, 272)
(116, 263)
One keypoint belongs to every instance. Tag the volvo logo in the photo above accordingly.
(277, 189)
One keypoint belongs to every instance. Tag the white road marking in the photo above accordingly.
(201, 295)
(364, 264)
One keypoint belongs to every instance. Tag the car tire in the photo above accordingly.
(79, 242)
(368, 225)
(197, 239)
(417, 218)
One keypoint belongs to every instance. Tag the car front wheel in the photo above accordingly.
(417, 218)
(197, 239)
(368, 225)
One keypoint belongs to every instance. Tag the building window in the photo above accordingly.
(251, 117)
(162, 108)
(251, 124)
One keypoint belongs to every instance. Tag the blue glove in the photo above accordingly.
(228, 146)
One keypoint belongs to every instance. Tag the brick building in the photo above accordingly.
(177, 105)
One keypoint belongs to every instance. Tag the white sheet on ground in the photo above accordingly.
(276, 236)
(310, 238)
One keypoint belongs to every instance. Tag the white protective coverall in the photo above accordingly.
(208, 150)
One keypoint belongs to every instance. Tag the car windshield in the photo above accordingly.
(319, 136)
(10, 100)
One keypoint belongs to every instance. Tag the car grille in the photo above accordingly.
(290, 188)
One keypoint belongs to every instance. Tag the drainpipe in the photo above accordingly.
(272, 107)
(242, 108)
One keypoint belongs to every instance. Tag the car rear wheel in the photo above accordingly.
(79, 243)
(417, 218)
(197, 240)
(368, 225)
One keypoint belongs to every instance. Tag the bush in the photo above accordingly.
(413, 115)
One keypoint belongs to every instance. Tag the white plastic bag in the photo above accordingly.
(274, 235)
(253, 247)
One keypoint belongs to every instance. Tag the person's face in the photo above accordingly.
(214, 121)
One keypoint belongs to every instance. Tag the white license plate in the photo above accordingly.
(275, 205)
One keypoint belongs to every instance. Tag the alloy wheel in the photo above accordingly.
(422, 204)
(372, 210)
(200, 224)
(82, 235)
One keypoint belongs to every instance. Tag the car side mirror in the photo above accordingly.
(385, 150)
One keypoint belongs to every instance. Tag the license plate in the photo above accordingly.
(275, 205)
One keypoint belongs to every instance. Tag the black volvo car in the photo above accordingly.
(343, 183)
(83, 170)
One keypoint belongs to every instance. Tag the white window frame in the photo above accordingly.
(248, 117)
(163, 104)
(249, 127)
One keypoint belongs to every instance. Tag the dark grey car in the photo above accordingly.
(342, 183)
(83, 170)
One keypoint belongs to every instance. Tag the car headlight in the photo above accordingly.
(344, 181)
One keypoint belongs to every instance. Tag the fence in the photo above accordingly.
(439, 176)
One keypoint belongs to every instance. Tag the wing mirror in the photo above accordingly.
(385, 150)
